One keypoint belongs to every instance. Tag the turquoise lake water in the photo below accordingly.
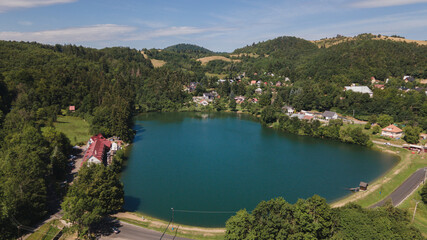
(221, 162)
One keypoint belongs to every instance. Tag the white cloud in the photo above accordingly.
(71, 35)
(384, 3)
(174, 31)
(6, 5)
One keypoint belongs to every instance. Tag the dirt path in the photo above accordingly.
(160, 224)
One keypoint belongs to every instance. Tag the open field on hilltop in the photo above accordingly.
(156, 63)
(205, 60)
(75, 128)
(328, 42)
(420, 42)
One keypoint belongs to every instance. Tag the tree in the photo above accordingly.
(384, 120)
(278, 219)
(412, 134)
(94, 194)
(268, 115)
(376, 129)
(232, 104)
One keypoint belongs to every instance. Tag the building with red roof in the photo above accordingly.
(98, 147)
(392, 131)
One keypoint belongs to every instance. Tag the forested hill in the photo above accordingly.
(280, 45)
(356, 61)
(187, 48)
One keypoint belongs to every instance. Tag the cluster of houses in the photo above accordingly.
(101, 150)
(206, 98)
(309, 115)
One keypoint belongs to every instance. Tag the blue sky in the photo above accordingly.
(220, 25)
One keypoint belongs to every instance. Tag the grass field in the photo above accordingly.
(205, 60)
(75, 128)
(47, 231)
(420, 218)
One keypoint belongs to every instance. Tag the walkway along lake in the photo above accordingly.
(226, 162)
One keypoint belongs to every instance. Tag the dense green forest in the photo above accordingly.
(109, 86)
(312, 218)
(187, 48)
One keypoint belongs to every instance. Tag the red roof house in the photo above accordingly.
(97, 150)
(392, 131)
(72, 108)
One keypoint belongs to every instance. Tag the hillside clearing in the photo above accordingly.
(205, 60)
(328, 42)
(156, 63)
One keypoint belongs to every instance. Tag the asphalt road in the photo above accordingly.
(404, 190)
(132, 232)
(389, 144)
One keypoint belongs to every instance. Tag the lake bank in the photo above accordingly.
(247, 164)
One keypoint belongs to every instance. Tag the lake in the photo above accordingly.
(208, 165)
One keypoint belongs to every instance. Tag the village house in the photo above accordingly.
(423, 136)
(97, 151)
(328, 115)
(300, 116)
(392, 132)
(408, 79)
(72, 108)
(258, 91)
(359, 89)
(380, 86)
(192, 87)
(208, 96)
(278, 84)
(253, 82)
(239, 99)
(288, 110)
(204, 102)
(308, 117)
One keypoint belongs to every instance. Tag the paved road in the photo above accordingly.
(132, 232)
(404, 190)
(383, 143)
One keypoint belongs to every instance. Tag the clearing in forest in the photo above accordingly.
(205, 60)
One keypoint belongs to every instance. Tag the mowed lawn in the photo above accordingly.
(75, 128)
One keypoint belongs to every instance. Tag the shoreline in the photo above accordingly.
(362, 198)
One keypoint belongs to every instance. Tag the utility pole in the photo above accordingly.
(168, 224)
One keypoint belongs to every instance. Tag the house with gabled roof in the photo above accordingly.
(98, 147)
(328, 115)
(392, 132)
(359, 89)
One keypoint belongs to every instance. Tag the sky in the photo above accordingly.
(219, 25)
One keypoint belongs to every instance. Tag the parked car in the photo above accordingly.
(115, 230)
